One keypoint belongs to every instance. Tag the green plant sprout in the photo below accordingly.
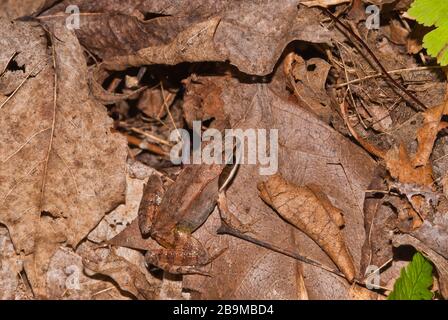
(433, 13)
(414, 281)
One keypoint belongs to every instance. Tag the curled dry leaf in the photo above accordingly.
(308, 209)
(61, 169)
(66, 279)
(308, 85)
(127, 275)
(203, 31)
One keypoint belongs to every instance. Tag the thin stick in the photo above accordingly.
(53, 126)
(147, 146)
(168, 111)
(384, 71)
(151, 136)
(379, 74)
(226, 229)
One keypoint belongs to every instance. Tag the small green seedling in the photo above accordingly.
(414, 281)
(433, 13)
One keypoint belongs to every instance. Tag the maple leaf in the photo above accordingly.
(433, 13)
(414, 281)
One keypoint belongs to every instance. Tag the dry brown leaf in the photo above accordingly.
(12, 9)
(308, 85)
(10, 267)
(201, 31)
(66, 279)
(152, 102)
(312, 212)
(203, 104)
(401, 168)
(61, 169)
(117, 220)
(127, 275)
(309, 153)
(427, 134)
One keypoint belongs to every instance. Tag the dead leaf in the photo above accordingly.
(13, 9)
(401, 168)
(200, 32)
(66, 279)
(313, 214)
(427, 134)
(308, 85)
(10, 267)
(126, 274)
(62, 168)
(309, 152)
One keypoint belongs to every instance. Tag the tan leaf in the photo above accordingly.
(427, 134)
(313, 214)
(61, 168)
(66, 279)
(10, 267)
(126, 274)
(309, 153)
(401, 168)
(13, 9)
(194, 32)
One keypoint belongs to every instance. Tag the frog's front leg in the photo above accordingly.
(186, 257)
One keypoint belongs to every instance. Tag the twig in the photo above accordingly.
(169, 112)
(379, 74)
(151, 136)
(147, 146)
(226, 229)
(370, 52)
(53, 126)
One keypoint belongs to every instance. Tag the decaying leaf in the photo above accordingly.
(127, 275)
(310, 210)
(10, 267)
(12, 9)
(307, 79)
(118, 32)
(309, 153)
(427, 134)
(62, 168)
(66, 279)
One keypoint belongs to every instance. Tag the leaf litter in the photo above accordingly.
(71, 186)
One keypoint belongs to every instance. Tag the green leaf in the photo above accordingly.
(414, 281)
(433, 13)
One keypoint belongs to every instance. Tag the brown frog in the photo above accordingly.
(171, 217)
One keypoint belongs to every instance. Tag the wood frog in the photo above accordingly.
(171, 217)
